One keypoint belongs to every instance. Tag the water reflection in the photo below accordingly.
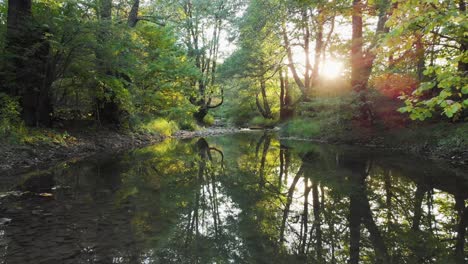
(247, 198)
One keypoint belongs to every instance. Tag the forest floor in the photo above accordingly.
(64, 145)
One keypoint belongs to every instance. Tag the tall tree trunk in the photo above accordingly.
(27, 68)
(286, 110)
(421, 59)
(308, 66)
(318, 48)
(44, 107)
(108, 110)
(358, 81)
(362, 62)
(266, 105)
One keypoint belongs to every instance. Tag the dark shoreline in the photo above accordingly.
(429, 152)
(16, 159)
(20, 158)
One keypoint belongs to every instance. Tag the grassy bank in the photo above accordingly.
(440, 140)
(38, 147)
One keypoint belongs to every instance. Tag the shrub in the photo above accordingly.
(161, 126)
(10, 124)
(208, 120)
(188, 124)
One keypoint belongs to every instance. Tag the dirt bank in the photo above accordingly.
(15, 158)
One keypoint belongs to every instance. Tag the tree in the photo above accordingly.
(303, 26)
(201, 24)
(440, 27)
(362, 61)
(27, 71)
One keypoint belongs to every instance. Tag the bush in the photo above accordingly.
(10, 122)
(188, 124)
(160, 126)
(208, 120)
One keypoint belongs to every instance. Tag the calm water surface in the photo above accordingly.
(246, 198)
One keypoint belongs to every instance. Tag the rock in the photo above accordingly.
(5, 221)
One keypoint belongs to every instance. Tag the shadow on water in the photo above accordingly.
(246, 198)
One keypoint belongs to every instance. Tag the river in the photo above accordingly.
(243, 198)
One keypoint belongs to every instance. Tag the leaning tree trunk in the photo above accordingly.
(133, 15)
(264, 107)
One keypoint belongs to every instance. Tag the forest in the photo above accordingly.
(234, 131)
(313, 68)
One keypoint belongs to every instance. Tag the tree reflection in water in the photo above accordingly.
(247, 198)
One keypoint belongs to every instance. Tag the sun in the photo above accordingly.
(331, 69)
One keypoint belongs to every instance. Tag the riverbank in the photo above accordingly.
(60, 145)
(446, 141)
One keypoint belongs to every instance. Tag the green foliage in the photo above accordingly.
(252, 68)
(208, 120)
(444, 87)
(450, 100)
(45, 136)
(10, 123)
(160, 126)
(332, 111)
(239, 109)
(12, 129)
(260, 121)
(188, 124)
(141, 72)
(302, 128)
